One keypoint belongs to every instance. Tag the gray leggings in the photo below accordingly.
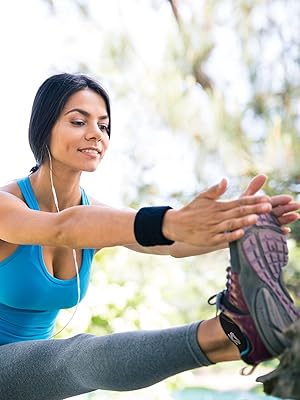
(62, 368)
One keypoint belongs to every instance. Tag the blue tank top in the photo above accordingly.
(30, 297)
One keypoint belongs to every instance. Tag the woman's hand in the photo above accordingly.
(210, 222)
(283, 206)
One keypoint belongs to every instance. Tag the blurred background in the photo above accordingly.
(200, 89)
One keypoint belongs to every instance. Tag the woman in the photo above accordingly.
(50, 230)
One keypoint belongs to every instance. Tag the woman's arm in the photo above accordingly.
(74, 227)
(205, 221)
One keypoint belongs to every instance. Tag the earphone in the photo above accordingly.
(73, 250)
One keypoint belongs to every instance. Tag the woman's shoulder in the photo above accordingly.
(13, 188)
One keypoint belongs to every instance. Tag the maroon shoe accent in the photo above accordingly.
(232, 303)
(234, 293)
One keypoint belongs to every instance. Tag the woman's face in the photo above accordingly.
(79, 138)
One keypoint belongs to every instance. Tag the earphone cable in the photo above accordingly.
(73, 250)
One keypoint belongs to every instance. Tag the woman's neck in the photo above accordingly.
(66, 185)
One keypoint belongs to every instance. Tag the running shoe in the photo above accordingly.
(256, 308)
(258, 258)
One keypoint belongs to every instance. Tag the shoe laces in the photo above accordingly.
(228, 279)
(216, 300)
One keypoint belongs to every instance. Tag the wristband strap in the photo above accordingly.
(148, 226)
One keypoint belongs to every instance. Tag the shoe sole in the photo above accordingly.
(258, 257)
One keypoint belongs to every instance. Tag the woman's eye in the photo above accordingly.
(103, 128)
(77, 123)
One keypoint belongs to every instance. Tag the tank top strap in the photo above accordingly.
(30, 199)
(84, 198)
(27, 192)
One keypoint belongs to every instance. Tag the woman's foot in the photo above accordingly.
(256, 308)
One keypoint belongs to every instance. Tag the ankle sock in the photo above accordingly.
(235, 335)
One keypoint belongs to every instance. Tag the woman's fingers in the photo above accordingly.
(235, 224)
(280, 206)
(215, 191)
(224, 238)
(255, 185)
(211, 227)
(238, 210)
(284, 208)
(281, 200)
(286, 230)
(288, 218)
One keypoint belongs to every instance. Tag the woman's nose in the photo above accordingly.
(95, 133)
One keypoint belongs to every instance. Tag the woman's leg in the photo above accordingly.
(58, 369)
(215, 343)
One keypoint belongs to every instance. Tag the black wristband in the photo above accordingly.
(148, 226)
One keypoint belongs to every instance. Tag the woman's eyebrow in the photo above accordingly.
(85, 113)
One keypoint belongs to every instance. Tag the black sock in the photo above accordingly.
(235, 335)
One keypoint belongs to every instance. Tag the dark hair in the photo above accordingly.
(49, 102)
